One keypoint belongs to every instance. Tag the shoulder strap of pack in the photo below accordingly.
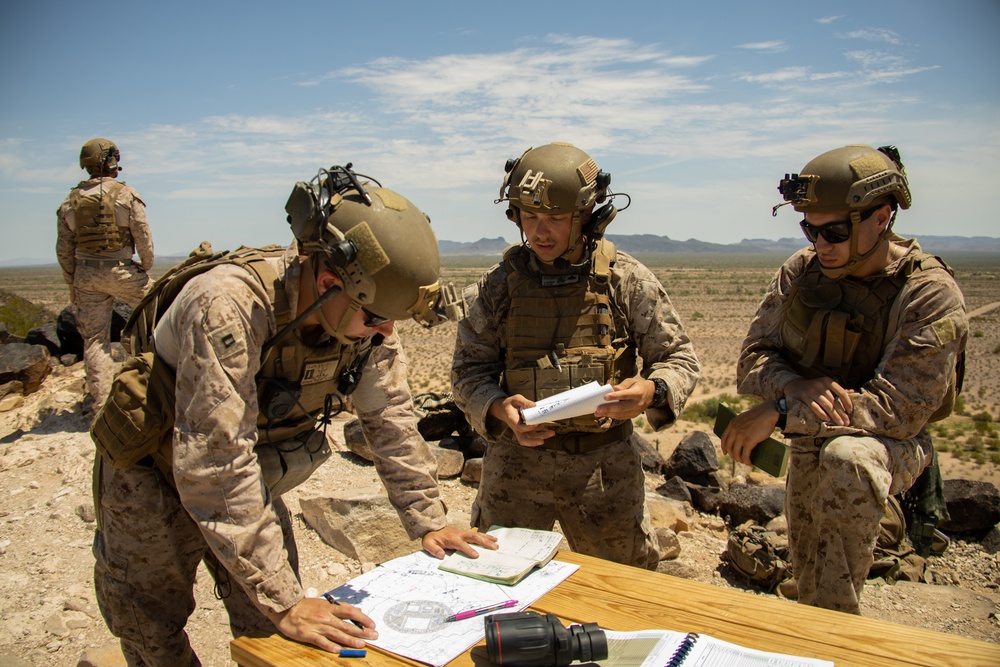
(603, 259)
(139, 328)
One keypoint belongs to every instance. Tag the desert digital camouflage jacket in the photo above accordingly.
(220, 322)
(927, 329)
(643, 318)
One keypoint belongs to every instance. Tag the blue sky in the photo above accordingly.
(696, 108)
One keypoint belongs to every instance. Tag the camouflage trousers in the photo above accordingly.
(599, 498)
(836, 495)
(96, 291)
(147, 550)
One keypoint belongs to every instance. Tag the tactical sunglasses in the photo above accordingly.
(834, 232)
(372, 320)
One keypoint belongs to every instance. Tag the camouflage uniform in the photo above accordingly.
(839, 477)
(151, 539)
(101, 277)
(598, 497)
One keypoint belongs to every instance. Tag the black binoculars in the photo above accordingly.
(528, 639)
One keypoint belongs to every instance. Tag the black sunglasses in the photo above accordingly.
(834, 232)
(372, 320)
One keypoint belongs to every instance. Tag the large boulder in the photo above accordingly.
(693, 460)
(973, 506)
(28, 364)
(748, 502)
(360, 523)
(45, 336)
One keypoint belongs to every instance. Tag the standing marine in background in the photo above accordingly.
(854, 349)
(562, 309)
(101, 225)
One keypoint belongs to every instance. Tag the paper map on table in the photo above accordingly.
(409, 598)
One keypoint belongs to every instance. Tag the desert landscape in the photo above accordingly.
(49, 615)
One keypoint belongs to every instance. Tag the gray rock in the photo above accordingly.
(28, 364)
(449, 462)
(973, 506)
(991, 543)
(354, 438)
(45, 336)
(694, 459)
(360, 523)
(675, 488)
(706, 498)
(668, 513)
(745, 502)
(472, 473)
(652, 460)
(670, 544)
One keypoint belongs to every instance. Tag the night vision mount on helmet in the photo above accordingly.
(377, 242)
(854, 179)
(559, 178)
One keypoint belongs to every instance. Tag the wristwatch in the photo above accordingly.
(659, 394)
(781, 405)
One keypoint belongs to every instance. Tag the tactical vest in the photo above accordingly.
(96, 229)
(561, 333)
(298, 386)
(837, 328)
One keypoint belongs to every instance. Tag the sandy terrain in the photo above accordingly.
(49, 613)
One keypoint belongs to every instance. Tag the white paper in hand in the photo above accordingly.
(576, 402)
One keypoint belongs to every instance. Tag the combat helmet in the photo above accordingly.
(378, 243)
(558, 178)
(100, 157)
(854, 179)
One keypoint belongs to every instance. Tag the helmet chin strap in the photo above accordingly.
(340, 331)
(857, 259)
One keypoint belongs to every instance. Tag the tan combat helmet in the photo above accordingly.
(553, 179)
(100, 157)
(380, 245)
(852, 179)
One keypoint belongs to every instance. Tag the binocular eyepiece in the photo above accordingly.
(528, 639)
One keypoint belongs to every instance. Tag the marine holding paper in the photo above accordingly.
(563, 309)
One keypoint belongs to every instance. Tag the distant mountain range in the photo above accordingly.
(651, 244)
(647, 244)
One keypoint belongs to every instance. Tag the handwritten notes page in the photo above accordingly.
(519, 551)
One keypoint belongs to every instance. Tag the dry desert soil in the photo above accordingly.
(48, 611)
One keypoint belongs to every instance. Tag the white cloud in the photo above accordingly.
(829, 19)
(774, 46)
(874, 35)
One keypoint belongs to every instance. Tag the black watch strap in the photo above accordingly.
(781, 405)
(659, 394)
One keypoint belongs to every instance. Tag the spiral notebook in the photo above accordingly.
(663, 648)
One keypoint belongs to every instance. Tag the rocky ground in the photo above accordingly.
(49, 615)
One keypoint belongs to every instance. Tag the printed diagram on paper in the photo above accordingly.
(409, 598)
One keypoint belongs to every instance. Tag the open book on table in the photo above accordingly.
(519, 551)
(663, 648)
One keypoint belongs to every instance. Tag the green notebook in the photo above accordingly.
(770, 455)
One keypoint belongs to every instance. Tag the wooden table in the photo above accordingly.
(626, 598)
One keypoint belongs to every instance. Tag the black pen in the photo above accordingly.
(332, 600)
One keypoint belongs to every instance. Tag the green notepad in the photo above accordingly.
(770, 455)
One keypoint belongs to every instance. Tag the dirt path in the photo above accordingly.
(982, 310)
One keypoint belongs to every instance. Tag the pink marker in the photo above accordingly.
(479, 612)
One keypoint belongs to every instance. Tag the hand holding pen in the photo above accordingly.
(479, 612)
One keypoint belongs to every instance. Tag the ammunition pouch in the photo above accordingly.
(138, 416)
(285, 465)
